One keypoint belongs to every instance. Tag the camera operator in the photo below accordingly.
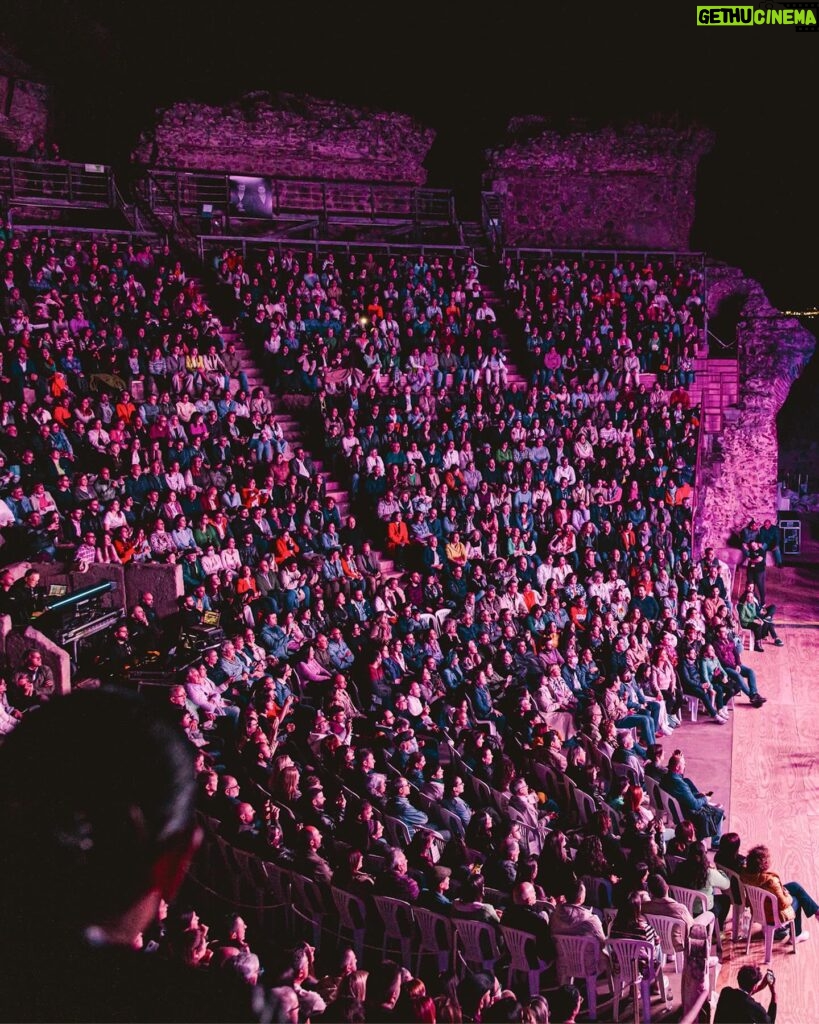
(738, 1006)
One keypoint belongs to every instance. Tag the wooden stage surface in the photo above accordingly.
(764, 768)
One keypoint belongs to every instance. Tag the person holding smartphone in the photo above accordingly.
(738, 1006)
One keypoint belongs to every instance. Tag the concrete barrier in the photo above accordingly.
(163, 580)
(19, 641)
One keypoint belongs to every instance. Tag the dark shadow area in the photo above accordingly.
(798, 427)
(724, 325)
(457, 159)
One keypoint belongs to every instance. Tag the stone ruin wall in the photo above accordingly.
(630, 188)
(599, 189)
(24, 105)
(289, 137)
(773, 351)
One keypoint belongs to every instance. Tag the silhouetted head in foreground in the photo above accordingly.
(97, 816)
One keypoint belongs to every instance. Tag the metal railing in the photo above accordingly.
(249, 245)
(68, 234)
(168, 214)
(726, 346)
(191, 191)
(696, 531)
(57, 183)
(609, 255)
(492, 219)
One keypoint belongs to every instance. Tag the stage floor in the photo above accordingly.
(764, 768)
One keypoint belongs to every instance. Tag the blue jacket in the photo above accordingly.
(684, 792)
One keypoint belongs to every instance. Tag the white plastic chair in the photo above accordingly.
(278, 886)
(478, 941)
(607, 916)
(352, 916)
(436, 937)
(698, 957)
(624, 771)
(399, 926)
(667, 928)
(581, 956)
(673, 862)
(450, 821)
(763, 905)
(516, 942)
(652, 787)
(671, 806)
(693, 705)
(309, 904)
(396, 832)
(736, 892)
(598, 891)
(585, 805)
(532, 838)
(252, 880)
(633, 964)
(689, 898)
(481, 791)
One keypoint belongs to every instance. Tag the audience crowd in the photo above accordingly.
(454, 696)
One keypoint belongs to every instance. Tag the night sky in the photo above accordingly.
(464, 70)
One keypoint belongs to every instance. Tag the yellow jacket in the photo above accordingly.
(770, 882)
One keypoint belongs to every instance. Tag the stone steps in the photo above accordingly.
(294, 433)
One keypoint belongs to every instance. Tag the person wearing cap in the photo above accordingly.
(434, 897)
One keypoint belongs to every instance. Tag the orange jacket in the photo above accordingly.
(397, 535)
(770, 882)
(282, 550)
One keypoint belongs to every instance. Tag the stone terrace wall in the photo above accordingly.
(632, 187)
(291, 137)
(773, 352)
(24, 110)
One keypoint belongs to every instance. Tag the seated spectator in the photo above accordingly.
(663, 905)
(758, 618)
(470, 902)
(706, 816)
(631, 923)
(792, 900)
(395, 881)
(41, 676)
(573, 918)
(696, 872)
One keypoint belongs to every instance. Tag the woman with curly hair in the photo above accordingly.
(791, 897)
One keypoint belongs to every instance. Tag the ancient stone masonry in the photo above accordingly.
(631, 187)
(291, 137)
(24, 112)
(773, 352)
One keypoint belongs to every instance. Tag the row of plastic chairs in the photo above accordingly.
(763, 907)
(577, 805)
(416, 933)
(406, 929)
